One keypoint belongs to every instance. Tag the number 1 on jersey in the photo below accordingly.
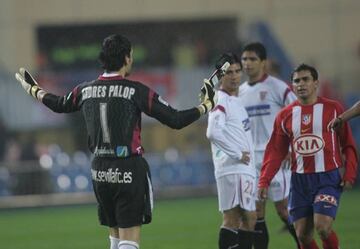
(104, 123)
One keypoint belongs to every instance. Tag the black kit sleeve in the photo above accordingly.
(63, 104)
(154, 106)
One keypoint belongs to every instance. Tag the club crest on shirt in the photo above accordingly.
(306, 119)
(263, 95)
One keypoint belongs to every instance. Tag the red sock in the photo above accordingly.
(312, 245)
(331, 242)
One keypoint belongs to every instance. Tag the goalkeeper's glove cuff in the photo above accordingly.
(206, 106)
(202, 109)
(37, 92)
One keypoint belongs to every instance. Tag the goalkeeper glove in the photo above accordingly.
(29, 84)
(207, 97)
(222, 64)
(224, 59)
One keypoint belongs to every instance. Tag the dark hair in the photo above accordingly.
(229, 57)
(305, 67)
(113, 51)
(258, 48)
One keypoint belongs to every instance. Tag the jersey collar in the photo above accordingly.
(110, 76)
(262, 79)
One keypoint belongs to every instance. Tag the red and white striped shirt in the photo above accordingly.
(314, 147)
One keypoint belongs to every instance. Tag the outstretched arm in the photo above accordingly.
(67, 103)
(345, 116)
(179, 119)
(154, 106)
(29, 84)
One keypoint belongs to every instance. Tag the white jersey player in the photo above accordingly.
(263, 96)
(263, 100)
(230, 136)
(233, 156)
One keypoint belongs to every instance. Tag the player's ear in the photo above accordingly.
(263, 63)
(316, 82)
(128, 60)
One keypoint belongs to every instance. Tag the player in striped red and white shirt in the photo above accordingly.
(317, 153)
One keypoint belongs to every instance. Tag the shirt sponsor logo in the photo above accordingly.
(258, 110)
(111, 176)
(122, 151)
(102, 151)
(308, 144)
(327, 199)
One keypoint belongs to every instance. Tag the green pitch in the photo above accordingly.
(177, 224)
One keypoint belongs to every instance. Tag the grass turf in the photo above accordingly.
(177, 224)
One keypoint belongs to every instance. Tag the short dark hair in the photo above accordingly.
(229, 57)
(305, 67)
(258, 48)
(113, 51)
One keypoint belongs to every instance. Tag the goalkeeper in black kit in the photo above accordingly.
(112, 107)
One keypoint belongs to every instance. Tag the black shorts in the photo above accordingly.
(123, 190)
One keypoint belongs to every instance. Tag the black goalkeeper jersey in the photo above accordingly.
(112, 108)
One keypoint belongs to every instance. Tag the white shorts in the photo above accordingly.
(236, 190)
(280, 185)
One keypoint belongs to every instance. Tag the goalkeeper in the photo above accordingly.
(112, 107)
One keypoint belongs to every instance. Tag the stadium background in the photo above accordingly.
(43, 156)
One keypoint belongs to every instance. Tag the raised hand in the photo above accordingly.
(29, 84)
(207, 97)
(336, 123)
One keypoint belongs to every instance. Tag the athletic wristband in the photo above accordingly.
(202, 109)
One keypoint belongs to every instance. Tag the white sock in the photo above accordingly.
(127, 244)
(114, 242)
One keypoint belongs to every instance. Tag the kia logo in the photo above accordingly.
(308, 144)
